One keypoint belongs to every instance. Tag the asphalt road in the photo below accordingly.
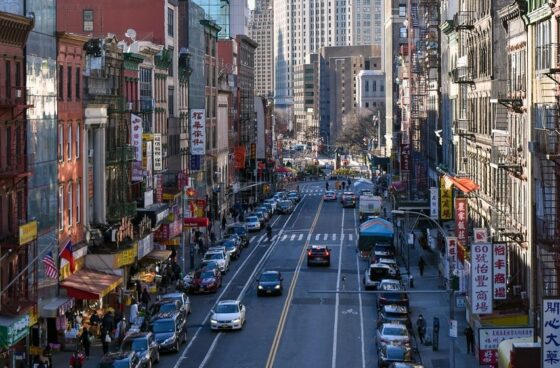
(299, 328)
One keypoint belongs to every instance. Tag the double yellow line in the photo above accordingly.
(289, 297)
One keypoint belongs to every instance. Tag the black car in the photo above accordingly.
(270, 282)
(348, 199)
(393, 353)
(144, 346)
(285, 207)
(120, 359)
(170, 331)
(240, 230)
(319, 254)
(382, 250)
(234, 237)
(393, 295)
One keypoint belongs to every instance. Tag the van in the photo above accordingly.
(374, 274)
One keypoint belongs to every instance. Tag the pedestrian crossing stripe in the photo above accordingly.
(301, 237)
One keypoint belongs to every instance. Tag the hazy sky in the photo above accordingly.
(251, 4)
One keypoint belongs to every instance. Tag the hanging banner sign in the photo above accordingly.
(499, 260)
(158, 153)
(198, 132)
(480, 235)
(434, 203)
(461, 220)
(490, 338)
(446, 200)
(452, 254)
(481, 272)
(136, 136)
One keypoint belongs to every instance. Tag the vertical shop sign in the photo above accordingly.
(434, 203)
(499, 259)
(452, 253)
(158, 153)
(481, 272)
(446, 200)
(136, 128)
(551, 333)
(198, 132)
(461, 220)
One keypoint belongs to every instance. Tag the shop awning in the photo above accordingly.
(465, 185)
(158, 255)
(54, 307)
(196, 221)
(90, 285)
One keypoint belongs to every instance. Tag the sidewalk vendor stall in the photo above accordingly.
(375, 230)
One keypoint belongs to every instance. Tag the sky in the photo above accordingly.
(251, 4)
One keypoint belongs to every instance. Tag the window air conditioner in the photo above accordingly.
(18, 93)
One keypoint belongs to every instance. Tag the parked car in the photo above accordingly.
(219, 257)
(348, 199)
(145, 347)
(391, 262)
(228, 315)
(267, 212)
(165, 305)
(285, 207)
(319, 254)
(272, 202)
(294, 196)
(235, 238)
(231, 247)
(170, 331)
(393, 295)
(405, 365)
(392, 313)
(120, 359)
(270, 282)
(253, 223)
(382, 250)
(239, 229)
(260, 216)
(206, 281)
(329, 195)
(393, 334)
(182, 298)
(375, 273)
(271, 209)
(388, 354)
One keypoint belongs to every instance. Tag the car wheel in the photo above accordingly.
(149, 364)
(157, 358)
(177, 346)
(185, 337)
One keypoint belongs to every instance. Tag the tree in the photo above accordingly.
(357, 130)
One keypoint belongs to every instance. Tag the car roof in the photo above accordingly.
(387, 260)
(379, 265)
(317, 246)
(166, 315)
(393, 308)
(270, 272)
(137, 335)
(164, 300)
(172, 295)
(228, 301)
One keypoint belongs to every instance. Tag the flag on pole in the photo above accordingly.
(67, 253)
(50, 266)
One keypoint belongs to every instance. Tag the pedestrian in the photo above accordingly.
(107, 323)
(421, 327)
(145, 299)
(343, 185)
(327, 185)
(224, 222)
(47, 354)
(85, 340)
(121, 330)
(200, 246)
(469, 334)
(106, 339)
(76, 360)
(133, 311)
(421, 265)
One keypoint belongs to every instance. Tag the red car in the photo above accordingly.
(206, 281)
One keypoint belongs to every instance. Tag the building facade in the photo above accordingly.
(306, 100)
(260, 30)
(368, 22)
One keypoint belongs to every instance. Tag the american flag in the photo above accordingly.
(50, 266)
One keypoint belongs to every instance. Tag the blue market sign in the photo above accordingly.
(12, 330)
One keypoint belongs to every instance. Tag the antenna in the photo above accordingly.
(131, 33)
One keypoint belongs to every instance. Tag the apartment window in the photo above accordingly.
(403, 33)
(78, 134)
(78, 202)
(374, 86)
(9, 146)
(170, 69)
(170, 21)
(60, 207)
(88, 20)
(170, 101)
(367, 86)
(78, 81)
(69, 143)
(69, 83)
(8, 80)
(60, 143)
(402, 10)
(18, 74)
(70, 204)
(60, 82)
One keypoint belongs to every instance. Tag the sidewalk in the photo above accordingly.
(435, 304)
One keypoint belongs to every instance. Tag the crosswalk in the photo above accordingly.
(293, 237)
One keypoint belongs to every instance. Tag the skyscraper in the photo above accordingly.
(367, 22)
(232, 16)
(260, 30)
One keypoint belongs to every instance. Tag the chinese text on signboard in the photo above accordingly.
(499, 271)
(481, 273)
(490, 338)
(551, 333)
(198, 132)
(434, 203)
(452, 253)
(446, 200)
(158, 155)
(461, 220)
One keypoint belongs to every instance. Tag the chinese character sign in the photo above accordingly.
(499, 258)
(136, 136)
(490, 338)
(405, 157)
(461, 220)
(198, 132)
(481, 278)
(158, 156)
(446, 200)
(434, 203)
(452, 253)
(480, 235)
(550, 333)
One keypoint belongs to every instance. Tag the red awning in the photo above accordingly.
(465, 185)
(196, 221)
(90, 285)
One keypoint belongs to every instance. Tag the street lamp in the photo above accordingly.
(449, 290)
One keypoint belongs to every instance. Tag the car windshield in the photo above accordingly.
(165, 325)
(395, 315)
(168, 307)
(387, 248)
(378, 273)
(140, 344)
(226, 308)
(394, 331)
(252, 219)
(213, 256)
(268, 277)
(207, 274)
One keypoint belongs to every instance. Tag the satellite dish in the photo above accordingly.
(131, 33)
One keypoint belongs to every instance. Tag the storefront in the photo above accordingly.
(53, 312)
(14, 336)
(147, 270)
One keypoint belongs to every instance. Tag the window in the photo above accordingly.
(60, 82)
(18, 74)
(69, 204)
(78, 134)
(88, 20)
(403, 33)
(69, 143)
(170, 21)
(78, 81)
(367, 86)
(60, 142)
(69, 83)
(170, 101)
(9, 146)
(60, 207)
(78, 202)
(402, 10)
(8, 80)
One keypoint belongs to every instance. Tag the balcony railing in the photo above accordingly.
(11, 96)
(547, 59)
(547, 129)
(116, 211)
(462, 75)
(461, 126)
(18, 166)
(464, 20)
(503, 154)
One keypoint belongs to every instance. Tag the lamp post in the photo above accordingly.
(449, 290)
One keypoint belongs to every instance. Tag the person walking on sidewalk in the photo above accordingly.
(469, 334)
(106, 339)
(421, 265)
(421, 327)
(86, 342)
(224, 222)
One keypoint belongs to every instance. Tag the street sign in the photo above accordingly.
(453, 328)
(459, 301)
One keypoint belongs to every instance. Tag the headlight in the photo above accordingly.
(237, 320)
(260, 287)
(213, 321)
(277, 287)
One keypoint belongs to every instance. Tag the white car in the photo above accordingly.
(253, 223)
(219, 257)
(393, 334)
(220, 248)
(273, 203)
(228, 315)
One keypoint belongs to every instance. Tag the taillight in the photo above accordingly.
(326, 252)
(308, 252)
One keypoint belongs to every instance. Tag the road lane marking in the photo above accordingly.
(337, 298)
(288, 302)
(210, 350)
(334, 237)
(284, 237)
(252, 238)
(308, 237)
(360, 299)
(350, 237)
(300, 237)
(317, 237)
(325, 237)
(261, 238)
(341, 237)
(292, 237)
